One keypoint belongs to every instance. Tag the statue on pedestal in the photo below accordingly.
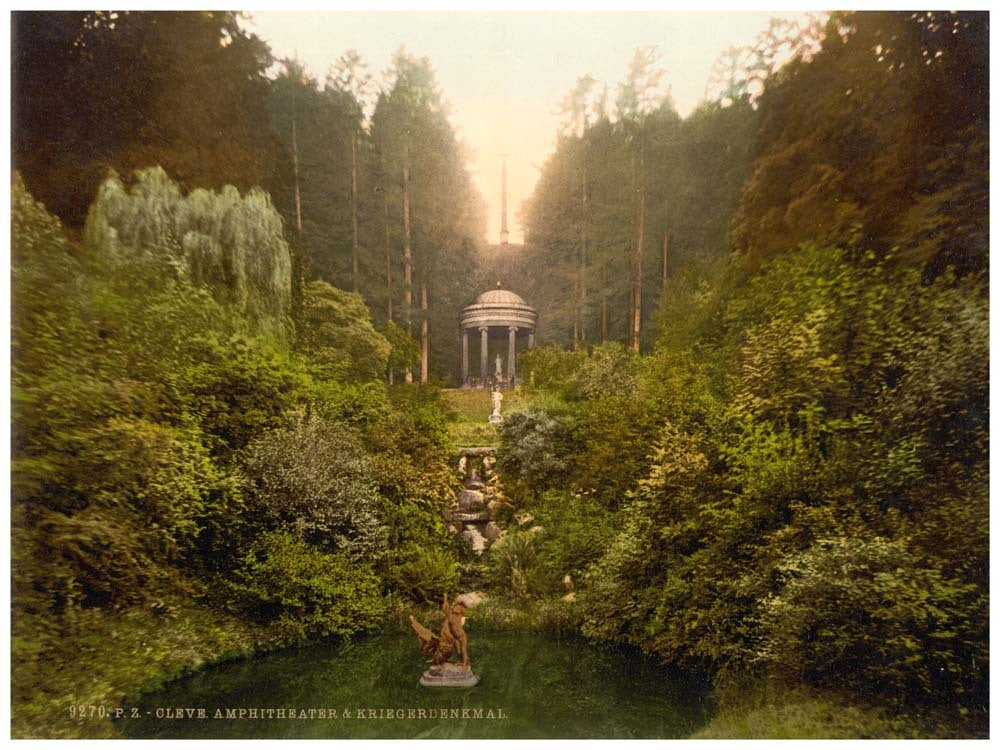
(497, 398)
(440, 648)
(498, 369)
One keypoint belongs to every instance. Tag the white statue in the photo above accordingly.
(497, 398)
(499, 367)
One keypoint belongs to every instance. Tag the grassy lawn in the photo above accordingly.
(469, 412)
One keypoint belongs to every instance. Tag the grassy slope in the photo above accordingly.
(470, 410)
(776, 711)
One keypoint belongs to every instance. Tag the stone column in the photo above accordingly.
(511, 354)
(483, 346)
(465, 357)
(531, 339)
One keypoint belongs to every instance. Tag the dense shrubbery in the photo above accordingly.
(590, 430)
(307, 592)
(172, 438)
(426, 575)
(788, 513)
(797, 475)
(865, 615)
(316, 480)
(535, 446)
(516, 566)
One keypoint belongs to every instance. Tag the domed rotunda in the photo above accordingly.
(500, 316)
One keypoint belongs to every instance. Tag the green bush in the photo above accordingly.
(516, 565)
(338, 335)
(578, 528)
(238, 388)
(612, 442)
(550, 368)
(427, 575)
(864, 615)
(533, 449)
(306, 593)
(316, 480)
(144, 494)
(424, 413)
(609, 370)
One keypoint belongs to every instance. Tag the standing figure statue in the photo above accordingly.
(498, 370)
(497, 398)
(440, 648)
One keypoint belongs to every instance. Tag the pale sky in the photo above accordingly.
(505, 74)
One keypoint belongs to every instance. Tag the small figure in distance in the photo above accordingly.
(497, 397)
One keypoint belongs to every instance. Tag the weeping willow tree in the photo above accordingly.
(233, 245)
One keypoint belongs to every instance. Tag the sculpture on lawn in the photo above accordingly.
(497, 397)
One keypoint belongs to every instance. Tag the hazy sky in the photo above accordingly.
(504, 74)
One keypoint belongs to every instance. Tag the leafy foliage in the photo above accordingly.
(315, 479)
(430, 574)
(516, 566)
(533, 448)
(309, 593)
(864, 614)
(234, 246)
(162, 440)
(339, 337)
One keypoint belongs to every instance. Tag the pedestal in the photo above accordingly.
(449, 675)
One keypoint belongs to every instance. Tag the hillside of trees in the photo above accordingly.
(341, 182)
(792, 484)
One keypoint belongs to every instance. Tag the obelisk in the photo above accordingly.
(504, 234)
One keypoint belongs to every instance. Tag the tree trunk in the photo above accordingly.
(663, 289)
(298, 261)
(355, 253)
(576, 312)
(638, 265)
(295, 171)
(631, 290)
(424, 349)
(388, 256)
(604, 302)
(407, 260)
(583, 259)
(388, 263)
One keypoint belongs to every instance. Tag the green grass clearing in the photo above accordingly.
(469, 411)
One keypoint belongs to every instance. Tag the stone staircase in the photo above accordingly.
(477, 505)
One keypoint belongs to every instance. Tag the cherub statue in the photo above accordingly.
(439, 649)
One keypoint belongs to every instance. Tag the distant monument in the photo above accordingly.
(500, 316)
(504, 234)
(503, 316)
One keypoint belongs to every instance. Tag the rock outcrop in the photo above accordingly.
(479, 504)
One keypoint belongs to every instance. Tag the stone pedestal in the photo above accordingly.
(449, 675)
